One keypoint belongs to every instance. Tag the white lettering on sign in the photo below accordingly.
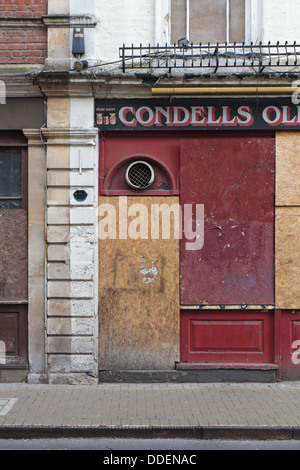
(182, 116)
(207, 116)
(123, 116)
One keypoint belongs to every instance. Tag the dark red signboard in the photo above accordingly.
(198, 114)
(233, 177)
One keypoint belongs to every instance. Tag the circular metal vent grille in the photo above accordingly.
(139, 175)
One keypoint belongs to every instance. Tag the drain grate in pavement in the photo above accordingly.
(6, 405)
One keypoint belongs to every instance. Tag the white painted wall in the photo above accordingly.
(123, 22)
(280, 20)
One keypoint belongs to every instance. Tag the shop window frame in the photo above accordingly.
(10, 140)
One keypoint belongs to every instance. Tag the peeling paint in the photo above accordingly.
(149, 274)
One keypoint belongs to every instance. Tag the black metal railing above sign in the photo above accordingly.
(278, 57)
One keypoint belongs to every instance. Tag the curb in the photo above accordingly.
(151, 432)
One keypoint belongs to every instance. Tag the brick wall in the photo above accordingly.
(23, 46)
(23, 8)
(29, 44)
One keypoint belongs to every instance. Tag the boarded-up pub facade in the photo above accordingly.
(149, 199)
(208, 98)
(226, 310)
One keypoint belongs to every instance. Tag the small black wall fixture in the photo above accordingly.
(80, 195)
(78, 47)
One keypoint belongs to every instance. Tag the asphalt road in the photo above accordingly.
(166, 445)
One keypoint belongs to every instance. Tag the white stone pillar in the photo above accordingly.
(72, 248)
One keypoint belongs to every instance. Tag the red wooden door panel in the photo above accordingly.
(227, 337)
(290, 344)
(233, 176)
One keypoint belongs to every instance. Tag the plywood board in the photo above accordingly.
(13, 255)
(288, 168)
(287, 258)
(138, 297)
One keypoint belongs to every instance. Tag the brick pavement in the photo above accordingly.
(151, 405)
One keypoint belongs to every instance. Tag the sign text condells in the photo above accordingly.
(198, 114)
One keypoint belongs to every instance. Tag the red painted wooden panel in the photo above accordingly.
(233, 176)
(227, 337)
(290, 345)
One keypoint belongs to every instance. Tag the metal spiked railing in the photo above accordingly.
(212, 56)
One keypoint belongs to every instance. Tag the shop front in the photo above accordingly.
(197, 220)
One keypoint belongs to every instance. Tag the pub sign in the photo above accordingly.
(197, 114)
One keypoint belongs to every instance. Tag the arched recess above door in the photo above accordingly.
(161, 180)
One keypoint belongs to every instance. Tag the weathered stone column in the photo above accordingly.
(36, 256)
(71, 223)
(72, 262)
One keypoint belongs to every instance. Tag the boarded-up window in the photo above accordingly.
(13, 220)
(233, 177)
(208, 21)
(10, 178)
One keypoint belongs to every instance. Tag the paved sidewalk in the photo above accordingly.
(145, 410)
